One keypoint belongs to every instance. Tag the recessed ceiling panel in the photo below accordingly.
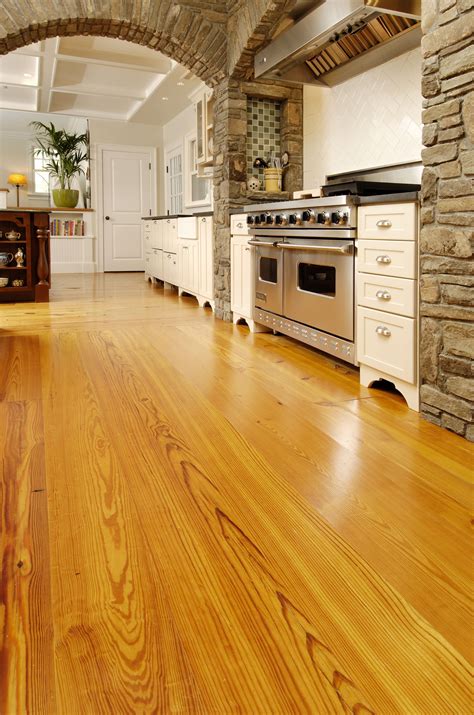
(91, 105)
(12, 97)
(114, 50)
(19, 69)
(96, 78)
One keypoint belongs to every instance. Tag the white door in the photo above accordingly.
(127, 181)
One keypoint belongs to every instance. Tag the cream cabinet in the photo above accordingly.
(242, 274)
(204, 109)
(387, 221)
(156, 233)
(170, 268)
(157, 263)
(196, 258)
(170, 235)
(188, 266)
(206, 257)
(387, 297)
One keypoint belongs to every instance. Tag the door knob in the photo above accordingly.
(107, 218)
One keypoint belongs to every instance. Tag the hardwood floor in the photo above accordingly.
(200, 520)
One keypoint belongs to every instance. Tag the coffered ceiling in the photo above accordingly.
(95, 77)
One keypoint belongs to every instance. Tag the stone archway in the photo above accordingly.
(193, 35)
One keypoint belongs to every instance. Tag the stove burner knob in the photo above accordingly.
(269, 220)
(295, 219)
(281, 219)
(325, 218)
(308, 215)
(256, 220)
(250, 220)
(263, 218)
(340, 217)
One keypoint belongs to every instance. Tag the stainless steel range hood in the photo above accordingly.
(341, 38)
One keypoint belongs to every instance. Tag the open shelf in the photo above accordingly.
(14, 289)
(13, 268)
(70, 237)
(11, 243)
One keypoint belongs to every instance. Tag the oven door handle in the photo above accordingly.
(347, 250)
(266, 244)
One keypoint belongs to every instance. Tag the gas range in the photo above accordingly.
(304, 254)
(304, 216)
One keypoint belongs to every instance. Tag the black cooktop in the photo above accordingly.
(366, 188)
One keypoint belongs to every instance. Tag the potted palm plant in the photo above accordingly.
(66, 155)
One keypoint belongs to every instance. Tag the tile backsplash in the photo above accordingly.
(373, 119)
(263, 131)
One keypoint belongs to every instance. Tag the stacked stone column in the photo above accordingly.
(447, 216)
(230, 163)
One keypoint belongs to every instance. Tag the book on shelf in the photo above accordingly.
(67, 228)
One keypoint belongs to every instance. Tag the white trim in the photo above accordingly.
(97, 182)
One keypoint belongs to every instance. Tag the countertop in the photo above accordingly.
(389, 198)
(197, 213)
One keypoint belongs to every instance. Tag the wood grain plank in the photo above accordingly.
(249, 485)
(117, 649)
(26, 628)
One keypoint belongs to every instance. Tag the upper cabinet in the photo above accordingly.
(204, 105)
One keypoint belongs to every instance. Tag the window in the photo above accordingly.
(174, 168)
(40, 175)
(198, 188)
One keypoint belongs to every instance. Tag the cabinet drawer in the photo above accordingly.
(393, 221)
(238, 225)
(394, 295)
(387, 258)
(386, 342)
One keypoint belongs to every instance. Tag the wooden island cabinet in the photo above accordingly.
(29, 230)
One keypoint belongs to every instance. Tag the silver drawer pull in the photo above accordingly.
(185, 248)
(383, 295)
(247, 248)
(240, 224)
(383, 259)
(203, 220)
(382, 330)
(384, 223)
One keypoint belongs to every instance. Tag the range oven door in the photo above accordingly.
(268, 276)
(319, 285)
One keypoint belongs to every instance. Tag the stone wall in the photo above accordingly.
(230, 172)
(192, 32)
(447, 216)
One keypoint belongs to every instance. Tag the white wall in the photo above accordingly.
(174, 133)
(16, 141)
(371, 120)
(104, 131)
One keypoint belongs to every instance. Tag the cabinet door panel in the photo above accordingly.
(388, 221)
(394, 295)
(387, 342)
(387, 258)
(206, 258)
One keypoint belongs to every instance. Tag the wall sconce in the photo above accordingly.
(17, 180)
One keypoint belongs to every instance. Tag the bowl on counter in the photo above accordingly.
(3, 282)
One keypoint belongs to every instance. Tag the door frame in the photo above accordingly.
(99, 183)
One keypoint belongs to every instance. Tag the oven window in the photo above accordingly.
(268, 270)
(317, 279)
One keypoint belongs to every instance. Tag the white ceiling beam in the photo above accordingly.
(46, 73)
(151, 90)
(97, 92)
(122, 65)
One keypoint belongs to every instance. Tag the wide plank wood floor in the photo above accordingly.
(199, 520)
